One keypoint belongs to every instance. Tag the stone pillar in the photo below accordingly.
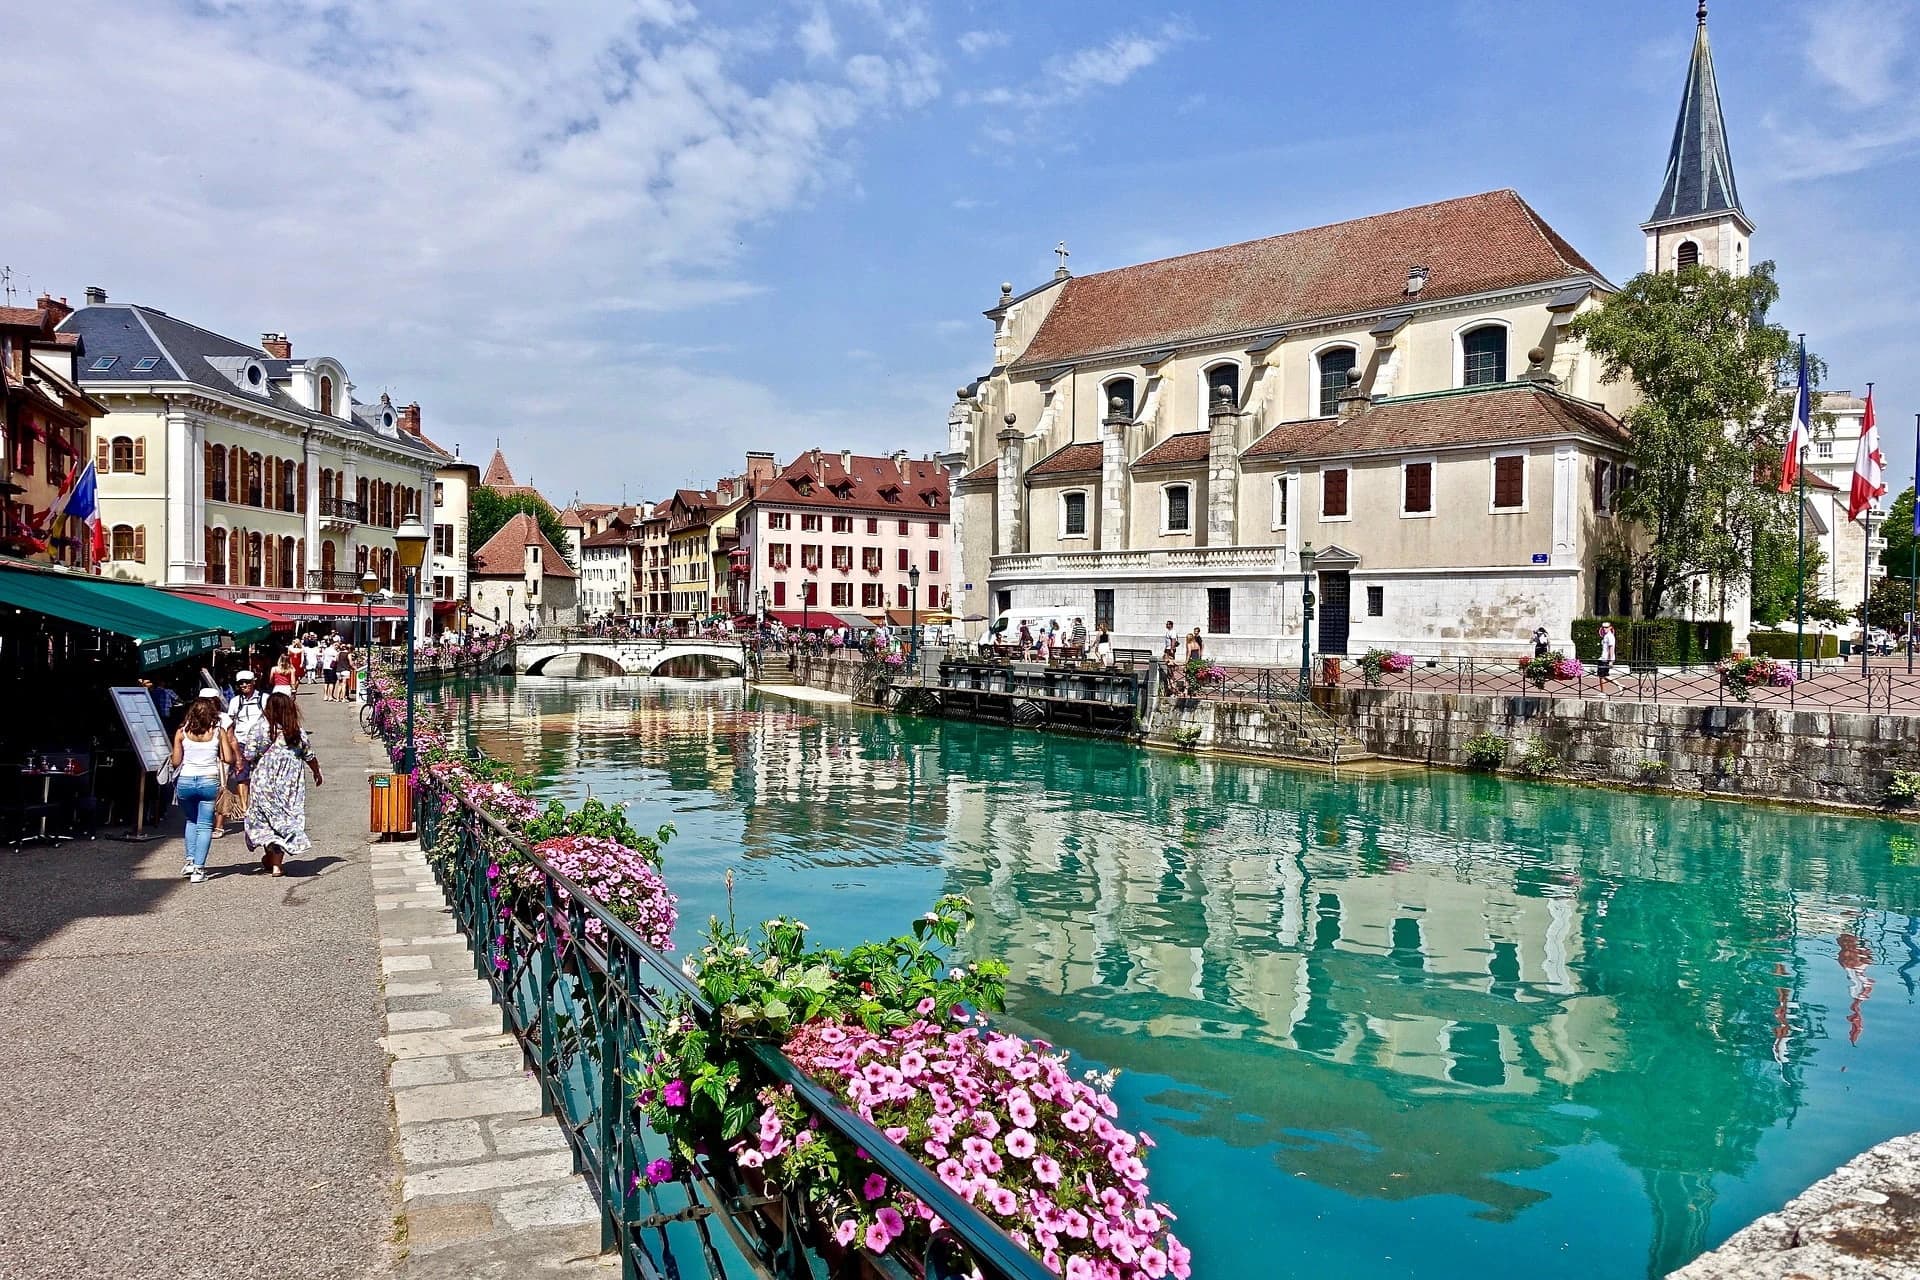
(183, 496)
(1353, 399)
(1566, 505)
(1113, 478)
(1010, 530)
(956, 464)
(1223, 469)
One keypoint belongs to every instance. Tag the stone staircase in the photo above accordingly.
(776, 668)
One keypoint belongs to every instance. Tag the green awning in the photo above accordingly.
(165, 629)
(244, 625)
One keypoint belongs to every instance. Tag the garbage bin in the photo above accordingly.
(390, 801)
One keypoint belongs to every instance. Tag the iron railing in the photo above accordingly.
(580, 1005)
(341, 509)
(1880, 689)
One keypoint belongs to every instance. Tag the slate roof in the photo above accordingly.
(1072, 459)
(1184, 449)
(1471, 245)
(187, 353)
(505, 554)
(1506, 412)
(1699, 177)
(871, 485)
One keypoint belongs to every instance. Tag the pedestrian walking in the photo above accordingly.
(1609, 646)
(1540, 642)
(1195, 646)
(1026, 642)
(329, 675)
(200, 748)
(277, 753)
(1103, 647)
(1077, 638)
(285, 676)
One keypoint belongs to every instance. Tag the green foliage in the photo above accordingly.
(1780, 644)
(1653, 771)
(1903, 789)
(1898, 527)
(1537, 760)
(1186, 736)
(488, 511)
(1777, 576)
(1698, 346)
(1663, 642)
(1486, 750)
(1888, 605)
(764, 988)
(599, 819)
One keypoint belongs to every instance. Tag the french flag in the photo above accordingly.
(80, 501)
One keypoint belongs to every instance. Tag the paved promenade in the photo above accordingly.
(191, 1078)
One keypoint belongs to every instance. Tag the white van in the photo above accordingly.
(1037, 621)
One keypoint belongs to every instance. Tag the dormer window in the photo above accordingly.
(101, 365)
(326, 396)
(891, 493)
(255, 376)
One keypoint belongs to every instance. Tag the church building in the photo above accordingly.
(1394, 401)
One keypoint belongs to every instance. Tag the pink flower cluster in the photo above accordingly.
(1397, 662)
(1006, 1127)
(618, 877)
(1569, 669)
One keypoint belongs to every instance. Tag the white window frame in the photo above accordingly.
(1526, 482)
(1433, 487)
(1133, 382)
(1324, 517)
(1314, 371)
(1460, 348)
(1205, 390)
(1166, 503)
(1086, 515)
(1282, 503)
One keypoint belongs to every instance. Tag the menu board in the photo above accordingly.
(142, 721)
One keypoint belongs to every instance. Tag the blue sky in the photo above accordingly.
(632, 239)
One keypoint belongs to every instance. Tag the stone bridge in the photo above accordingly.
(589, 657)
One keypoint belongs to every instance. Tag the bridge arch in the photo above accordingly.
(584, 664)
(698, 665)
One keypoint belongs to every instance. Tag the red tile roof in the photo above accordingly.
(617, 536)
(1068, 460)
(505, 554)
(991, 471)
(870, 484)
(1475, 244)
(1478, 415)
(23, 317)
(1186, 448)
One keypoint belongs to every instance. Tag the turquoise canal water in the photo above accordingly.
(1426, 1025)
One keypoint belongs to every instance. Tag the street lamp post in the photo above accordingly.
(410, 550)
(913, 603)
(369, 585)
(1306, 621)
(805, 606)
(763, 608)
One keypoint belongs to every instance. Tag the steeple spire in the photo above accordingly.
(1699, 169)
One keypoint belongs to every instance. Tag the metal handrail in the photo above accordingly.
(996, 1255)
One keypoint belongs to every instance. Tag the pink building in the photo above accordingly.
(843, 533)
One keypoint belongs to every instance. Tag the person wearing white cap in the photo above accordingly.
(199, 749)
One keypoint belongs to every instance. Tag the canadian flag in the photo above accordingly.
(1869, 466)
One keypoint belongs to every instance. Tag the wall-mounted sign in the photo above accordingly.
(1541, 557)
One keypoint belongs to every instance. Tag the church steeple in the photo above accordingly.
(1698, 216)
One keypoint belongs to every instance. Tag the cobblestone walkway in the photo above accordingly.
(489, 1186)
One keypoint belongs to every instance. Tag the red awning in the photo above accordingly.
(791, 617)
(221, 602)
(301, 611)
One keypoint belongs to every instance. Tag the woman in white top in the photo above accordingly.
(200, 748)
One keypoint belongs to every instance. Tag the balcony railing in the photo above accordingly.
(1271, 560)
(333, 580)
(340, 509)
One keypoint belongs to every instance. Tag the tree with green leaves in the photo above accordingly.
(488, 511)
(1888, 604)
(1709, 428)
(1898, 527)
(1777, 574)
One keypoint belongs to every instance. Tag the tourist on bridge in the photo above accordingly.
(277, 796)
(200, 747)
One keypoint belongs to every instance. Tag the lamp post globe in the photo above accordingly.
(409, 551)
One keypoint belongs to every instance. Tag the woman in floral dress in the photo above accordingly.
(277, 750)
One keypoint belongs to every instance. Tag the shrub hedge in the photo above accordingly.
(1780, 644)
(1657, 642)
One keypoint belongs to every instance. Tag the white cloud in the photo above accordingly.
(1859, 51)
(975, 43)
(816, 36)
(435, 194)
(1069, 77)
(1856, 46)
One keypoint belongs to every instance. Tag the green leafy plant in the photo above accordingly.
(1654, 770)
(600, 820)
(1376, 664)
(1903, 789)
(1537, 759)
(1486, 750)
(1185, 736)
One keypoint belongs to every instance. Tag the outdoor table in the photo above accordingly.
(46, 766)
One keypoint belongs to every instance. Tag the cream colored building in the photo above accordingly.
(1836, 448)
(1163, 442)
(239, 470)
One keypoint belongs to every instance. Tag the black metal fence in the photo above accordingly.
(1879, 690)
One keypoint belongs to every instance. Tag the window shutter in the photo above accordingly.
(206, 471)
(139, 455)
(139, 542)
(102, 457)
(1508, 482)
(1419, 496)
(301, 500)
(299, 561)
(1333, 490)
(1600, 469)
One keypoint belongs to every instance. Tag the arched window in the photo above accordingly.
(254, 487)
(253, 559)
(1483, 355)
(217, 473)
(360, 562)
(123, 453)
(360, 498)
(1334, 365)
(326, 395)
(1120, 389)
(329, 560)
(288, 471)
(216, 556)
(289, 563)
(1688, 255)
(120, 544)
(1219, 376)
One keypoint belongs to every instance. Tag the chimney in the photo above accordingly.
(1353, 399)
(409, 417)
(900, 462)
(96, 296)
(56, 308)
(846, 461)
(276, 345)
(760, 469)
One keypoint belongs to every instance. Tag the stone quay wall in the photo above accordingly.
(835, 675)
(1844, 758)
